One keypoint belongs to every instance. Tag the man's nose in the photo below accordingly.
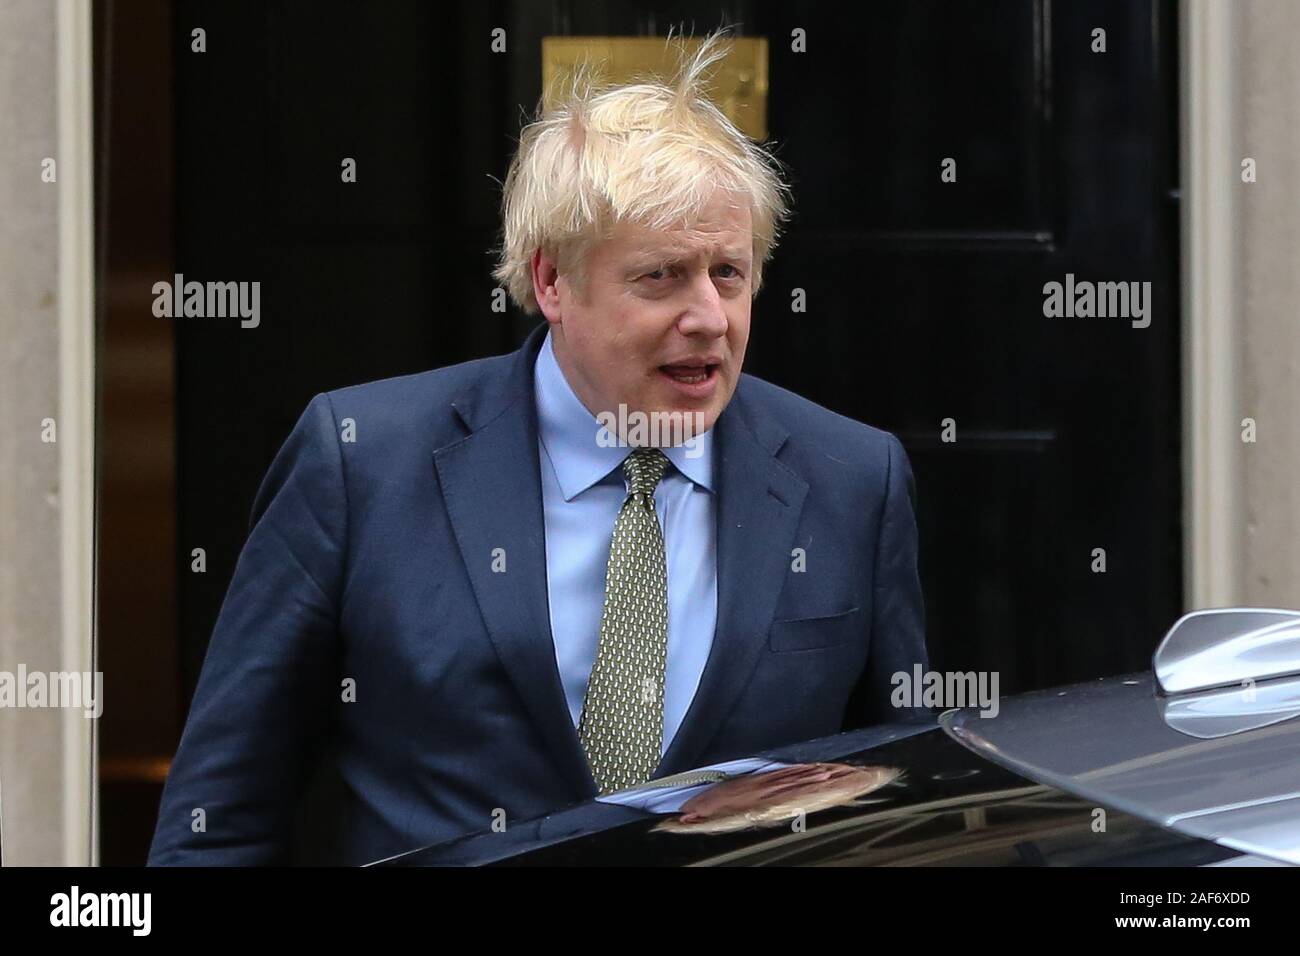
(704, 314)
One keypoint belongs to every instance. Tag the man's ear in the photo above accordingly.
(545, 275)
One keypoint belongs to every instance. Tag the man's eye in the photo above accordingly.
(665, 272)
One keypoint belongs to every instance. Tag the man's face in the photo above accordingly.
(762, 791)
(663, 321)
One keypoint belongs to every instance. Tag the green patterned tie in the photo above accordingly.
(622, 723)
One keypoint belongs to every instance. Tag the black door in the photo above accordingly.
(924, 298)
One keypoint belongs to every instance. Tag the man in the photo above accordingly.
(497, 597)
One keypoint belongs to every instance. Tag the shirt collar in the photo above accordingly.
(568, 432)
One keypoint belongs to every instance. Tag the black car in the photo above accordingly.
(1196, 763)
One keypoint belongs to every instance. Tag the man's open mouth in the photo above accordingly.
(689, 374)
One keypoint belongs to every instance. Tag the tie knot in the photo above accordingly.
(643, 469)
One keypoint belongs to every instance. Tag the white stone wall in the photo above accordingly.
(1267, 104)
(46, 338)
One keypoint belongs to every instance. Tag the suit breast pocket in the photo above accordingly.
(816, 632)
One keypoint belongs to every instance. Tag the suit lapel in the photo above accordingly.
(758, 507)
(491, 485)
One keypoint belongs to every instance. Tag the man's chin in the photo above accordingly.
(702, 415)
(695, 419)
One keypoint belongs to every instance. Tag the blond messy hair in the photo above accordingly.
(650, 153)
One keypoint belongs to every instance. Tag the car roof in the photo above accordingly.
(949, 806)
(1205, 748)
(1225, 773)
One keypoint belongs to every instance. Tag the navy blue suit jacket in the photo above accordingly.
(369, 574)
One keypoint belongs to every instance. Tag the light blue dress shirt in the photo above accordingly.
(582, 490)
